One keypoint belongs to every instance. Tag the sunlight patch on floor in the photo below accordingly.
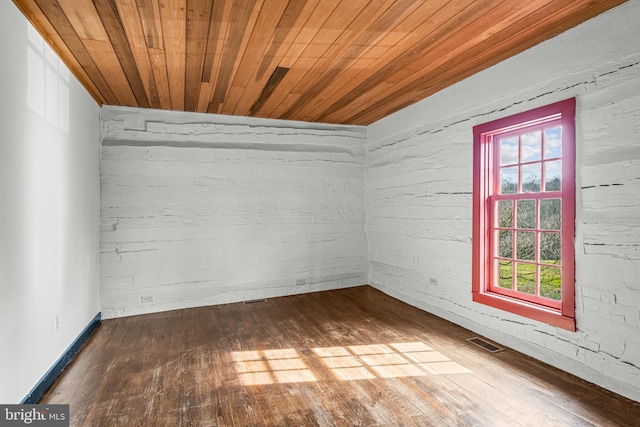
(261, 367)
(350, 363)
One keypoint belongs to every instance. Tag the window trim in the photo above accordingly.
(483, 159)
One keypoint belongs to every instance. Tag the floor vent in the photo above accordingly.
(485, 344)
(254, 301)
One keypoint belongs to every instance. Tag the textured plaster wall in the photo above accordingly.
(202, 209)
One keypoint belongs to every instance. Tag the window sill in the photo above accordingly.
(525, 309)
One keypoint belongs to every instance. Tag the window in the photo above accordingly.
(524, 213)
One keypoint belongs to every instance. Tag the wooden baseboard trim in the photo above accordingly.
(47, 380)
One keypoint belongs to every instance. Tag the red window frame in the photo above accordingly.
(487, 179)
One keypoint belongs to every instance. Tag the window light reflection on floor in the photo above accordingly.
(358, 362)
(261, 367)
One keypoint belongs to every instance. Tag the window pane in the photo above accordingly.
(526, 214)
(505, 213)
(509, 151)
(551, 282)
(526, 243)
(553, 175)
(509, 180)
(531, 178)
(526, 278)
(505, 278)
(550, 248)
(553, 142)
(506, 244)
(531, 146)
(550, 214)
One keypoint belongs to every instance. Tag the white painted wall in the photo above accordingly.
(419, 192)
(204, 209)
(49, 206)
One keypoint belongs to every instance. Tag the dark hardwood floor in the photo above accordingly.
(352, 357)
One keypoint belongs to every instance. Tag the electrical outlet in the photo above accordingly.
(146, 298)
(57, 320)
(301, 282)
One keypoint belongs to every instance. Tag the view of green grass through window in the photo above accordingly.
(528, 252)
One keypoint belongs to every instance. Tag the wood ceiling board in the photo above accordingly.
(107, 62)
(160, 77)
(445, 46)
(236, 92)
(85, 19)
(87, 25)
(289, 27)
(174, 27)
(285, 104)
(50, 35)
(273, 82)
(530, 29)
(134, 31)
(204, 97)
(232, 99)
(440, 51)
(333, 67)
(198, 19)
(307, 33)
(499, 46)
(319, 55)
(218, 29)
(51, 11)
(424, 21)
(445, 55)
(346, 61)
(258, 44)
(216, 25)
(342, 52)
(401, 37)
(443, 22)
(115, 30)
(236, 39)
(293, 57)
(149, 13)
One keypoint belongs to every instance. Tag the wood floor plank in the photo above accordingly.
(244, 367)
(433, 400)
(352, 411)
(350, 357)
(354, 336)
(475, 380)
(542, 381)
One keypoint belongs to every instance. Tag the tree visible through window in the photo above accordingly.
(524, 203)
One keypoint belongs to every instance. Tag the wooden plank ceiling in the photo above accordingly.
(333, 61)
